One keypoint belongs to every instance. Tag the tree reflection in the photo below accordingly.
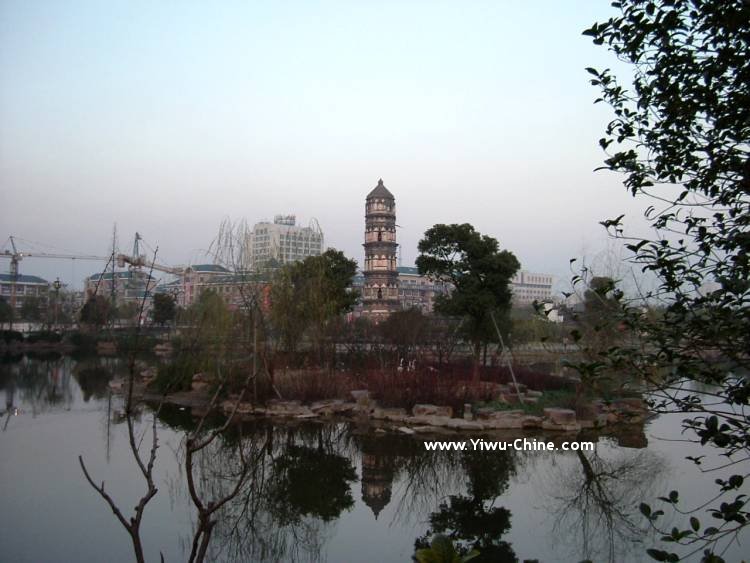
(298, 485)
(472, 521)
(311, 482)
(596, 499)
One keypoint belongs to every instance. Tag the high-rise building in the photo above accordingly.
(380, 290)
(528, 287)
(283, 241)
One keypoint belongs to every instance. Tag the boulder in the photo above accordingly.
(431, 410)
(569, 427)
(560, 416)
(532, 393)
(394, 415)
(405, 430)
(534, 422)
(360, 395)
(461, 424)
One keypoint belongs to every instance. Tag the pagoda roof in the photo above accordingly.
(380, 191)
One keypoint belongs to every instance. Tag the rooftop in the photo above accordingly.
(209, 268)
(125, 275)
(380, 191)
(22, 278)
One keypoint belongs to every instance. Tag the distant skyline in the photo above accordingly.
(166, 117)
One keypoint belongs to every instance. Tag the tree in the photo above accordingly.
(480, 274)
(164, 308)
(405, 330)
(96, 311)
(31, 309)
(6, 312)
(308, 294)
(680, 137)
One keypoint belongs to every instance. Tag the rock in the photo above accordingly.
(287, 408)
(601, 420)
(461, 424)
(569, 427)
(504, 423)
(395, 415)
(586, 424)
(430, 420)
(307, 415)
(405, 430)
(423, 429)
(631, 404)
(530, 421)
(115, 385)
(431, 410)
(560, 416)
(532, 393)
(360, 394)
(530, 400)
(199, 386)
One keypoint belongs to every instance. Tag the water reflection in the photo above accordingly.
(593, 497)
(317, 491)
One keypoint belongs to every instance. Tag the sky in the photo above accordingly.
(165, 117)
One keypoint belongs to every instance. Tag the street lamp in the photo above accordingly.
(56, 285)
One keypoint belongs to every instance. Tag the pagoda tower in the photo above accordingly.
(380, 291)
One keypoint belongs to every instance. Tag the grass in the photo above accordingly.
(561, 398)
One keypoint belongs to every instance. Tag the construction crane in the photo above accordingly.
(138, 260)
(16, 256)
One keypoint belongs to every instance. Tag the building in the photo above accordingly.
(128, 286)
(238, 289)
(528, 287)
(380, 288)
(418, 291)
(25, 286)
(283, 242)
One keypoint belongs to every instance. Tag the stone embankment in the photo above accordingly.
(429, 418)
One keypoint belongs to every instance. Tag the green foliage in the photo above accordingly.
(307, 295)
(9, 336)
(479, 272)
(6, 312)
(31, 309)
(405, 329)
(177, 375)
(96, 312)
(680, 134)
(562, 398)
(441, 550)
(164, 308)
(46, 336)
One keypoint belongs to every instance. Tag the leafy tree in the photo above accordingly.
(681, 137)
(599, 320)
(164, 308)
(307, 295)
(128, 311)
(96, 311)
(6, 312)
(405, 329)
(31, 309)
(480, 274)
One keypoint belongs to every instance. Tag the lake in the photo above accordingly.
(318, 491)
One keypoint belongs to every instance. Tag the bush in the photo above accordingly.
(9, 336)
(176, 375)
(46, 336)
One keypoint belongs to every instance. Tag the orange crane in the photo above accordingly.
(16, 256)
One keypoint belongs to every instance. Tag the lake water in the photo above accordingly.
(318, 491)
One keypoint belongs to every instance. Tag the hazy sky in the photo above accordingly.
(167, 116)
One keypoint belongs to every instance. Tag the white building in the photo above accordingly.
(528, 287)
(283, 241)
